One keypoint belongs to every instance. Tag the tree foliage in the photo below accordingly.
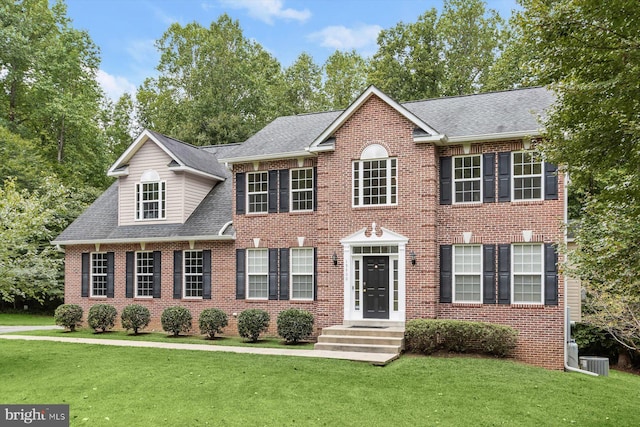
(303, 86)
(345, 78)
(589, 52)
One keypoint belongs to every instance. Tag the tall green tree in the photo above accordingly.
(215, 85)
(471, 39)
(303, 86)
(588, 51)
(345, 78)
(119, 126)
(407, 65)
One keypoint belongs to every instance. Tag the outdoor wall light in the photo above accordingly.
(413, 257)
(334, 258)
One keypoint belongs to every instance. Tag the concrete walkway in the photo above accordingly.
(8, 329)
(373, 358)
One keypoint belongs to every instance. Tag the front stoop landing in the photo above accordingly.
(377, 341)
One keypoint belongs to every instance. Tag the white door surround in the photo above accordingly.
(380, 242)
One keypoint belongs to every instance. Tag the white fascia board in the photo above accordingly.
(437, 139)
(266, 157)
(123, 172)
(322, 148)
(134, 147)
(141, 240)
(503, 136)
(364, 97)
(195, 172)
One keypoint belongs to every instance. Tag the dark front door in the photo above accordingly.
(376, 287)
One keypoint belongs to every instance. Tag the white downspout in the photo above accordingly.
(567, 327)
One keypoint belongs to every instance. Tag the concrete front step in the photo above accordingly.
(341, 330)
(355, 339)
(360, 348)
(375, 340)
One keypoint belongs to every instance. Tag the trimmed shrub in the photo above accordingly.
(102, 316)
(430, 335)
(294, 325)
(252, 322)
(211, 321)
(69, 316)
(176, 319)
(135, 317)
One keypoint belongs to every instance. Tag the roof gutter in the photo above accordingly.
(501, 136)
(183, 168)
(145, 240)
(265, 157)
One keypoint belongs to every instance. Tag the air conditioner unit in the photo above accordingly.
(599, 365)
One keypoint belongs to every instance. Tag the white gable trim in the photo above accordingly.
(346, 114)
(133, 149)
(387, 237)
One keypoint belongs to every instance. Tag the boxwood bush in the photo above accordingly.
(102, 317)
(430, 335)
(252, 322)
(295, 325)
(212, 321)
(69, 316)
(135, 317)
(176, 319)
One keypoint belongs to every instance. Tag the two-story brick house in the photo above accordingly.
(374, 215)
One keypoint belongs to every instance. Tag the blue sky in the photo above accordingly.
(125, 30)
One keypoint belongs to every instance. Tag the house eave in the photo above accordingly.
(193, 171)
(119, 172)
(265, 157)
(501, 136)
(218, 237)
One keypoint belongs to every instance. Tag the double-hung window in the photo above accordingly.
(150, 198)
(302, 189)
(258, 273)
(527, 175)
(527, 273)
(257, 191)
(302, 273)
(99, 274)
(467, 273)
(467, 178)
(144, 274)
(193, 279)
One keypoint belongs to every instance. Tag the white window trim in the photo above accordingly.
(454, 180)
(248, 203)
(292, 191)
(184, 274)
(360, 164)
(248, 282)
(291, 274)
(541, 274)
(162, 200)
(513, 178)
(136, 276)
(454, 274)
(92, 275)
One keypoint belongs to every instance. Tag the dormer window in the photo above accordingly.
(374, 178)
(150, 197)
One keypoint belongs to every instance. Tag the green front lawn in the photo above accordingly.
(25, 319)
(122, 386)
(163, 337)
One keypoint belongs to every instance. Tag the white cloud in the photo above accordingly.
(114, 86)
(343, 38)
(267, 10)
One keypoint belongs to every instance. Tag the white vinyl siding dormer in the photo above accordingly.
(183, 191)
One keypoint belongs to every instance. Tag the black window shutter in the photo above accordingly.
(177, 274)
(129, 274)
(110, 275)
(550, 275)
(489, 177)
(241, 187)
(157, 274)
(273, 274)
(446, 263)
(550, 181)
(504, 177)
(284, 190)
(206, 274)
(240, 273)
(446, 188)
(284, 273)
(315, 274)
(86, 274)
(273, 191)
(489, 274)
(504, 274)
(315, 188)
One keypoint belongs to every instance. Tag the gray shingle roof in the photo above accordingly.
(481, 114)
